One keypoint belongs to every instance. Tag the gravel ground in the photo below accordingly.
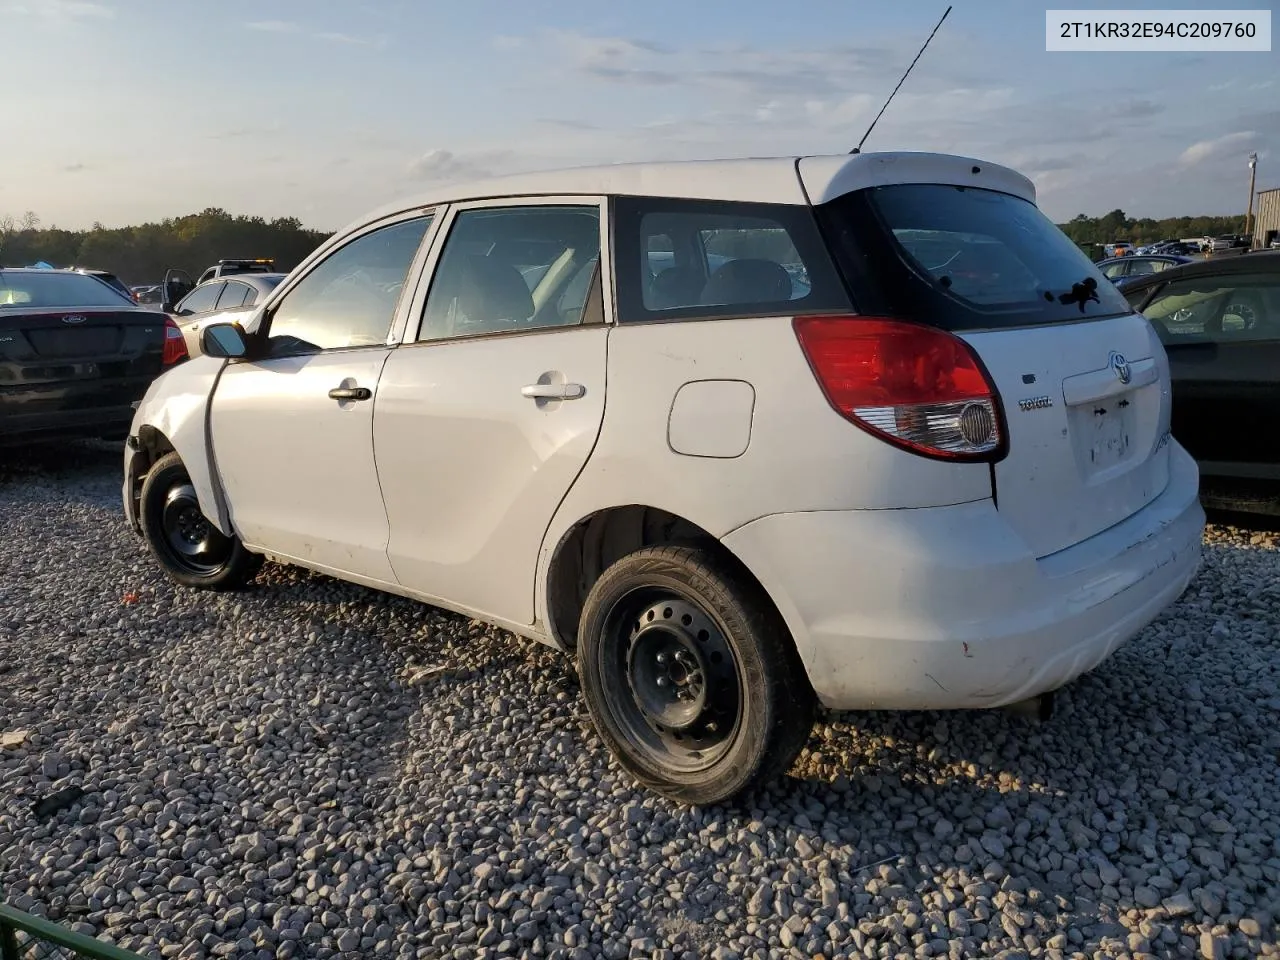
(279, 773)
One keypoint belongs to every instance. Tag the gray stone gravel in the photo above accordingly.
(263, 780)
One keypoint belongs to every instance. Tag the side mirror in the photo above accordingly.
(223, 340)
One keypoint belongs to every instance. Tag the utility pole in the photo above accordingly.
(1253, 174)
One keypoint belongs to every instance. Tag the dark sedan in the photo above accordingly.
(75, 355)
(1125, 270)
(1220, 323)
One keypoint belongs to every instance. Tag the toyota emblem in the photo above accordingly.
(1121, 366)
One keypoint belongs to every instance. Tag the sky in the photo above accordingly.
(123, 111)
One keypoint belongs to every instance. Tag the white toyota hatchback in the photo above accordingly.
(742, 437)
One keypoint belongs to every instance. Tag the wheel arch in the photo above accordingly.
(174, 416)
(583, 551)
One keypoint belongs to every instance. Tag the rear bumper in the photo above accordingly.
(946, 608)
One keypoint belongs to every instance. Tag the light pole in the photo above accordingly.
(1253, 173)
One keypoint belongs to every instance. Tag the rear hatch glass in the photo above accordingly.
(962, 258)
(1082, 378)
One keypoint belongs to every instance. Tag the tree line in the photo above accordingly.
(142, 254)
(1088, 232)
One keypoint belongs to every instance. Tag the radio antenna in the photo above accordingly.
(858, 148)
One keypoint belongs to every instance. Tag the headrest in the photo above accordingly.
(490, 291)
(747, 281)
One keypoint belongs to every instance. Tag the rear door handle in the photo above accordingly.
(553, 391)
(350, 393)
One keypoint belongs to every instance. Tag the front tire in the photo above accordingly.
(691, 676)
(190, 549)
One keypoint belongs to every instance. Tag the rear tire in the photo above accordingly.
(690, 675)
(190, 549)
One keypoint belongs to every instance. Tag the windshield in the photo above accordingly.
(963, 258)
(35, 289)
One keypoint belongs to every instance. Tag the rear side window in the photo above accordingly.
(1225, 309)
(233, 295)
(962, 258)
(696, 259)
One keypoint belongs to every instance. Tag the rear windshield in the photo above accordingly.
(35, 289)
(699, 259)
(962, 258)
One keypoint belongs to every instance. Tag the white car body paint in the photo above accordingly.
(903, 581)
(826, 178)
(711, 418)
(297, 466)
(177, 405)
(947, 607)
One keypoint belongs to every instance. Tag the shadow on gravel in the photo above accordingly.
(64, 460)
(1253, 522)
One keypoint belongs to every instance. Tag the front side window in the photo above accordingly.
(200, 300)
(699, 259)
(1115, 270)
(1244, 307)
(349, 299)
(511, 269)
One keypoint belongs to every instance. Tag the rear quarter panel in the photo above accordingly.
(800, 455)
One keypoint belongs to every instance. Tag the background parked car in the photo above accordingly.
(232, 267)
(1123, 270)
(1175, 247)
(75, 354)
(221, 300)
(1219, 320)
(110, 279)
(146, 293)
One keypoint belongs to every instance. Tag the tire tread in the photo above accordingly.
(789, 694)
(242, 566)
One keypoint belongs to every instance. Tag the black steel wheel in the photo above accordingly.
(192, 540)
(190, 549)
(685, 692)
(690, 675)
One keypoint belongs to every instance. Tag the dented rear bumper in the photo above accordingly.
(946, 608)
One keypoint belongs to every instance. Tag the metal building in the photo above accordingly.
(1266, 225)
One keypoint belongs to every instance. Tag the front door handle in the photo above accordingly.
(350, 393)
(553, 391)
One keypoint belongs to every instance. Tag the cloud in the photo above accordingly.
(828, 71)
(1212, 149)
(239, 133)
(288, 27)
(343, 38)
(504, 42)
(75, 168)
(274, 26)
(558, 124)
(58, 11)
(1135, 109)
(444, 165)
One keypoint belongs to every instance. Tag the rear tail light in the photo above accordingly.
(175, 343)
(917, 387)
